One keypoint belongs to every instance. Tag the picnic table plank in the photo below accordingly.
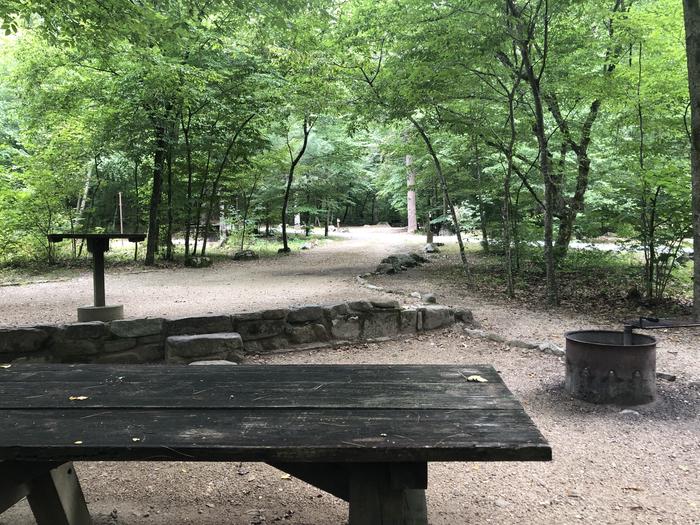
(260, 373)
(271, 435)
(283, 394)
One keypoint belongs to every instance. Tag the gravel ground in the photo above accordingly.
(324, 274)
(637, 467)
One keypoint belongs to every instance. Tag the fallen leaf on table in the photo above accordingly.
(477, 379)
(78, 398)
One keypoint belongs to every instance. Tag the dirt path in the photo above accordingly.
(322, 275)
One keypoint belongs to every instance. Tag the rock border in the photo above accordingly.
(545, 347)
(184, 339)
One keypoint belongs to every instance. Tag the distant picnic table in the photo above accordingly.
(364, 433)
(97, 245)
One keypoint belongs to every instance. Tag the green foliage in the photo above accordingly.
(114, 97)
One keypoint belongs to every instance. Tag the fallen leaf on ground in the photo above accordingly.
(285, 476)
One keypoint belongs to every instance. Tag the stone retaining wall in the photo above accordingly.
(144, 340)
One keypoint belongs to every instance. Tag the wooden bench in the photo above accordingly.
(364, 433)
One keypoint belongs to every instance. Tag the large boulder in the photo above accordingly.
(198, 262)
(399, 262)
(245, 255)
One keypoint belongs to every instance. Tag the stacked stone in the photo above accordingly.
(221, 337)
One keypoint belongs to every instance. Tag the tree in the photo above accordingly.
(691, 9)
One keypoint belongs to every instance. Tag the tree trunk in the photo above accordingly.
(247, 208)
(188, 196)
(569, 209)
(169, 232)
(445, 192)
(429, 229)
(158, 168)
(506, 209)
(533, 80)
(480, 201)
(294, 160)
(411, 195)
(214, 196)
(691, 10)
(137, 207)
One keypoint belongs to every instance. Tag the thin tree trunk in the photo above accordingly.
(247, 208)
(217, 179)
(169, 230)
(156, 194)
(533, 81)
(411, 195)
(429, 229)
(188, 197)
(91, 199)
(479, 199)
(137, 207)
(510, 286)
(445, 192)
(294, 160)
(691, 9)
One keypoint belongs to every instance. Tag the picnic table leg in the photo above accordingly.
(98, 247)
(388, 494)
(57, 499)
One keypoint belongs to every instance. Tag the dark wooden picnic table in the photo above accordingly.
(364, 433)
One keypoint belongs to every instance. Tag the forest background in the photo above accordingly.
(528, 124)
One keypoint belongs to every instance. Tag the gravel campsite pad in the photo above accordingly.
(611, 464)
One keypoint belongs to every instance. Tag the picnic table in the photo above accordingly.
(97, 245)
(364, 433)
